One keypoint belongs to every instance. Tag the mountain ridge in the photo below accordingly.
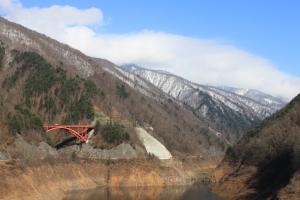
(206, 100)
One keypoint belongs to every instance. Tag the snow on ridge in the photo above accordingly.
(238, 100)
(241, 91)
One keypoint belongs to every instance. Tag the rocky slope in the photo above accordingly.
(265, 164)
(42, 172)
(52, 181)
(229, 110)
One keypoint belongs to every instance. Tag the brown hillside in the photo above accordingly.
(44, 81)
(265, 164)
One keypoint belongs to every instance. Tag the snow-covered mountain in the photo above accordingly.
(230, 109)
(261, 97)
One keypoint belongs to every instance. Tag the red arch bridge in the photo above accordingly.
(79, 131)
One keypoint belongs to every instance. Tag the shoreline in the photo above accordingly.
(51, 179)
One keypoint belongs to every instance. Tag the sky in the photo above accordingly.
(247, 44)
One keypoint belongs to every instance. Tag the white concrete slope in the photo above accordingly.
(152, 145)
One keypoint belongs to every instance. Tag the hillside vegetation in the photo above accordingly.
(47, 94)
(44, 81)
(273, 150)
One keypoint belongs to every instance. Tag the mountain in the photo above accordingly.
(265, 164)
(275, 103)
(228, 110)
(46, 82)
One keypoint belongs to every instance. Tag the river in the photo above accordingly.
(145, 193)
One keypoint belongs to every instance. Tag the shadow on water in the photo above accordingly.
(199, 193)
(144, 193)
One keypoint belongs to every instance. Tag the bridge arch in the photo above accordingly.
(79, 131)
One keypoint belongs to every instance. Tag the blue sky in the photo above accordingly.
(248, 44)
(269, 28)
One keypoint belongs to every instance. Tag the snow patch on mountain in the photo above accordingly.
(152, 145)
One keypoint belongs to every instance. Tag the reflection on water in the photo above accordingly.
(144, 193)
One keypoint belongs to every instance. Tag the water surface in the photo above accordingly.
(145, 193)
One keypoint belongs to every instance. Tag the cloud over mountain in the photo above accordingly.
(200, 60)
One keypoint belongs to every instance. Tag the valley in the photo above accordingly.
(143, 128)
(47, 83)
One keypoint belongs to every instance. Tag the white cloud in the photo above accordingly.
(202, 61)
(53, 21)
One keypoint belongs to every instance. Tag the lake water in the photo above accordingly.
(145, 193)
